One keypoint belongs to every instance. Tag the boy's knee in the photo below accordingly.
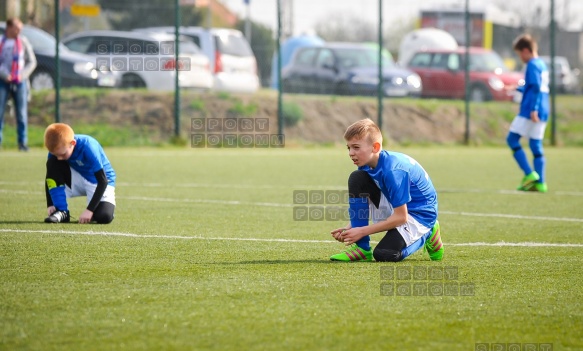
(386, 255)
(103, 218)
(357, 182)
(58, 172)
(104, 213)
(536, 146)
(513, 141)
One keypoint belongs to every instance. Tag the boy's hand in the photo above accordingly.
(51, 210)
(534, 117)
(352, 235)
(337, 233)
(85, 216)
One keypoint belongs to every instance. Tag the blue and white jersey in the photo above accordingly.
(88, 157)
(535, 92)
(402, 181)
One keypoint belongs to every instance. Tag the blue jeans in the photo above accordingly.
(19, 94)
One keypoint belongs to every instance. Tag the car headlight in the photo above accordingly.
(365, 80)
(496, 83)
(86, 69)
(414, 81)
(397, 80)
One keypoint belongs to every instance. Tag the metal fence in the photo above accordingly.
(330, 55)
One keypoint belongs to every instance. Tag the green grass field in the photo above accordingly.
(204, 253)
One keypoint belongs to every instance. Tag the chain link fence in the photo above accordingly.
(122, 65)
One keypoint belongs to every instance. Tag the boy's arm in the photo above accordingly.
(30, 62)
(99, 190)
(535, 82)
(399, 217)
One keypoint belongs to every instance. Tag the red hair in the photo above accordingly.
(58, 135)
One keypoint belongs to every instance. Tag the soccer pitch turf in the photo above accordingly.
(204, 253)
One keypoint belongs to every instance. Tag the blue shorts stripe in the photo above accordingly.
(411, 249)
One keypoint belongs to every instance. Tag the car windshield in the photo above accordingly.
(188, 47)
(40, 40)
(357, 57)
(558, 62)
(234, 45)
(487, 62)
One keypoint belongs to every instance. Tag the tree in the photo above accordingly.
(538, 13)
(263, 46)
(393, 36)
(335, 28)
(346, 27)
(130, 14)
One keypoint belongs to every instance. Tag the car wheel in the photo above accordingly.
(40, 80)
(130, 81)
(479, 94)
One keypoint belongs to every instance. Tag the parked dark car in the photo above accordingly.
(346, 69)
(76, 69)
(443, 75)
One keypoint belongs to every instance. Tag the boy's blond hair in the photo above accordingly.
(365, 128)
(58, 135)
(525, 41)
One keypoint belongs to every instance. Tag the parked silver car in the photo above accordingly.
(145, 60)
(566, 79)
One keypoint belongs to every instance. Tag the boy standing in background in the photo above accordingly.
(531, 121)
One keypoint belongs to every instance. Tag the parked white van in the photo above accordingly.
(232, 61)
(145, 60)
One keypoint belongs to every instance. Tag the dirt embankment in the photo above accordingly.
(324, 118)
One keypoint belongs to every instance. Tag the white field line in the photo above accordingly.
(284, 205)
(272, 204)
(274, 240)
(503, 215)
(304, 187)
(205, 201)
(199, 185)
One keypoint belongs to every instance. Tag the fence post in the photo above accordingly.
(57, 63)
(279, 85)
(467, 73)
(380, 84)
(553, 82)
(177, 69)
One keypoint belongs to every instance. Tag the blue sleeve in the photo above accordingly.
(534, 78)
(397, 183)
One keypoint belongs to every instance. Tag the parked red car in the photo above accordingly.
(442, 74)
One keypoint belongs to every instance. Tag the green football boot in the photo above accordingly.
(528, 181)
(540, 187)
(434, 245)
(352, 254)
